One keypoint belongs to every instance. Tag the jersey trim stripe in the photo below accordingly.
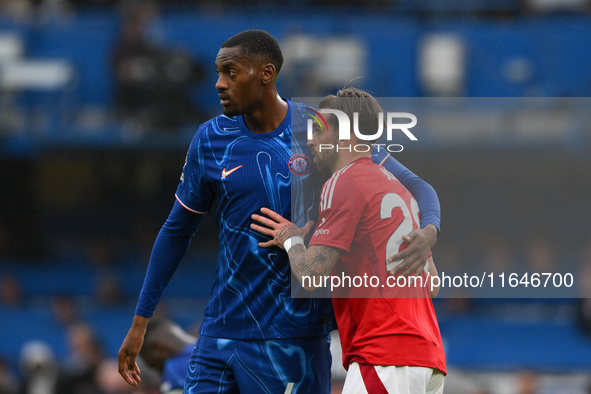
(187, 208)
(383, 161)
(323, 197)
(330, 186)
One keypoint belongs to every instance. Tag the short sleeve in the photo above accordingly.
(194, 192)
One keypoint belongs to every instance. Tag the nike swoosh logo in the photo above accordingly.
(226, 173)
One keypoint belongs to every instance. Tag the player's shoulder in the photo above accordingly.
(346, 186)
(218, 125)
(364, 165)
(341, 181)
(344, 174)
(365, 175)
(300, 113)
(299, 109)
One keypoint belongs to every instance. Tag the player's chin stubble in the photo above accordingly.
(325, 162)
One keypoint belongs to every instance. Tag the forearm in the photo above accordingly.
(166, 255)
(301, 267)
(311, 263)
(139, 324)
(433, 233)
(428, 202)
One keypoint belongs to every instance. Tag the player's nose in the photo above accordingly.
(221, 83)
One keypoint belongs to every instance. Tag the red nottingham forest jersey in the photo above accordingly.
(364, 211)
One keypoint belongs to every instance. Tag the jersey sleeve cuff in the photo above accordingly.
(143, 312)
(187, 207)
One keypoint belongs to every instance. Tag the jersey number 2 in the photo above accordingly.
(391, 201)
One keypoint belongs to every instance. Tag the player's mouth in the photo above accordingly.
(224, 99)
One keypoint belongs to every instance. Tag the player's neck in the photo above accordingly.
(268, 116)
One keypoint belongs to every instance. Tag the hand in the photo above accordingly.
(415, 255)
(278, 228)
(129, 350)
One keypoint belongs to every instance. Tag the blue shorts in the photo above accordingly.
(273, 366)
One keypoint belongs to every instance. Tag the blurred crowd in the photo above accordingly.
(24, 9)
(87, 366)
(152, 82)
(86, 369)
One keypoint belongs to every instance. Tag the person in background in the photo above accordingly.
(167, 349)
(153, 81)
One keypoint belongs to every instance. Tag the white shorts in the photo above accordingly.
(366, 379)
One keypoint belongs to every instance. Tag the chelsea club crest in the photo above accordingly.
(300, 164)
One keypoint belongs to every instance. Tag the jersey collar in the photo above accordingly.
(284, 126)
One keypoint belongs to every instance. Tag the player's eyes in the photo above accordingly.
(230, 73)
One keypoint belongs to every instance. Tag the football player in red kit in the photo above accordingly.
(389, 333)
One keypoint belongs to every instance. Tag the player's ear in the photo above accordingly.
(268, 73)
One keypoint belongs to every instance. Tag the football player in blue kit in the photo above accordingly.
(254, 337)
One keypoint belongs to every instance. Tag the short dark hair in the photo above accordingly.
(350, 100)
(257, 44)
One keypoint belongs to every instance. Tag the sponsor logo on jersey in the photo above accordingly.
(321, 231)
(226, 173)
(300, 164)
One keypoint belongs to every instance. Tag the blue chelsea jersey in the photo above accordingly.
(245, 171)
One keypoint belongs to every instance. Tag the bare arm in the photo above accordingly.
(313, 262)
